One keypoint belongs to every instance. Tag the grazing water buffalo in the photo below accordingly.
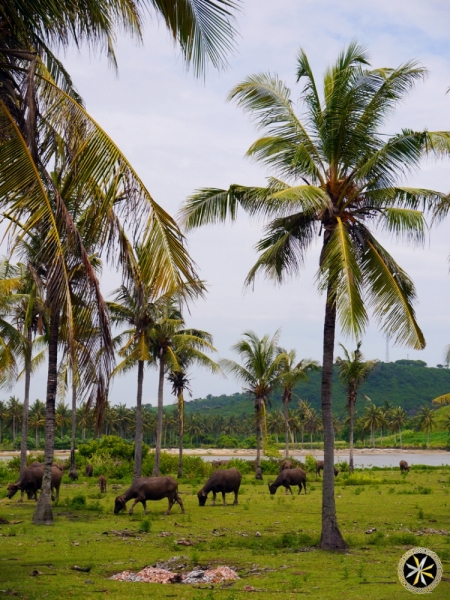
(287, 478)
(319, 467)
(150, 488)
(224, 481)
(219, 463)
(89, 471)
(286, 464)
(31, 481)
(404, 467)
(102, 484)
(73, 474)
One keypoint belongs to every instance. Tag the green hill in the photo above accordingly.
(406, 385)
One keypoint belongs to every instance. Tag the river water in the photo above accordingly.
(390, 459)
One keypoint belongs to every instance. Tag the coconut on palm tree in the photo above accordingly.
(336, 173)
(260, 372)
(353, 372)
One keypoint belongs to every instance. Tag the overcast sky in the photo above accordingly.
(180, 134)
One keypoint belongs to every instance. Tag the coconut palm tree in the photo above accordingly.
(37, 418)
(345, 176)
(260, 373)
(427, 421)
(3, 416)
(353, 372)
(373, 418)
(15, 410)
(397, 421)
(188, 353)
(291, 374)
(62, 417)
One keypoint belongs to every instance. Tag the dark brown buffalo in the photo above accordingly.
(224, 481)
(89, 471)
(219, 463)
(73, 474)
(404, 467)
(150, 488)
(102, 484)
(287, 478)
(286, 464)
(319, 467)
(31, 481)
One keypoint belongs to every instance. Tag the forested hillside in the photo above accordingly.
(403, 385)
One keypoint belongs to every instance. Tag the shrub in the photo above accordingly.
(146, 525)
(31, 443)
(243, 466)
(227, 441)
(78, 502)
(310, 463)
(249, 443)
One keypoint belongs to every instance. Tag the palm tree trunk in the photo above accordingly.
(74, 424)
(286, 432)
(138, 438)
(26, 404)
(352, 420)
(258, 473)
(37, 437)
(43, 514)
(400, 433)
(181, 433)
(331, 538)
(156, 471)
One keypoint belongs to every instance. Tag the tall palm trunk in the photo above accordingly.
(26, 404)
(331, 538)
(400, 433)
(286, 432)
(181, 433)
(74, 423)
(138, 438)
(43, 514)
(156, 471)
(258, 406)
(352, 425)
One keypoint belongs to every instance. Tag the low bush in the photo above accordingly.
(227, 441)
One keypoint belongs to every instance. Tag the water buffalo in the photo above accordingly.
(319, 467)
(150, 488)
(73, 474)
(89, 471)
(287, 478)
(404, 467)
(31, 481)
(102, 484)
(219, 463)
(286, 464)
(224, 481)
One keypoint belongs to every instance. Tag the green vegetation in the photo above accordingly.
(283, 559)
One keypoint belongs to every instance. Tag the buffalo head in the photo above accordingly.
(272, 489)
(119, 504)
(12, 490)
(202, 498)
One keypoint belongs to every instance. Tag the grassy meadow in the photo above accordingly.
(270, 541)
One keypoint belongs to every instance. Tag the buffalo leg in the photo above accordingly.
(223, 498)
(213, 503)
(171, 500)
(180, 502)
(134, 504)
(288, 488)
(235, 498)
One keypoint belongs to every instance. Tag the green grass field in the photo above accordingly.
(282, 560)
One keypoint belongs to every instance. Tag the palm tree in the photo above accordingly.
(187, 354)
(37, 418)
(172, 344)
(426, 419)
(353, 372)
(3, 416)
(260, 373)
(373, 418)
(62, 417)
(291, 374)
(346, 176)
(398, 419)
(15, 410)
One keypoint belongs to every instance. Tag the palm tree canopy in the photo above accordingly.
(261, 363)
(292, 372)
(353, 369)
(338, 174)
